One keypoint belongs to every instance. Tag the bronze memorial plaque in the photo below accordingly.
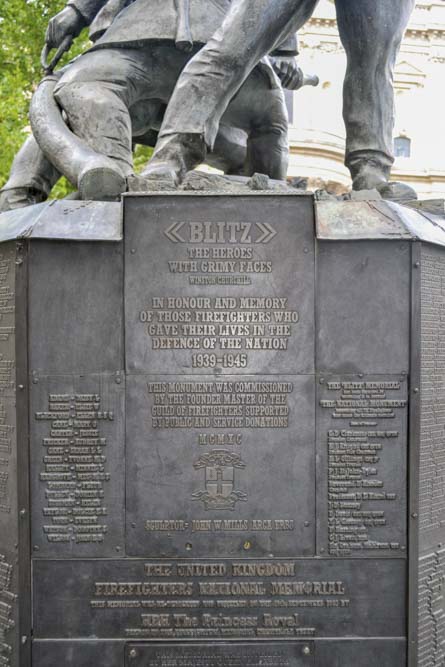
(221, 392)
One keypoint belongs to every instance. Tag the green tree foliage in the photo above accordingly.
(22, 30)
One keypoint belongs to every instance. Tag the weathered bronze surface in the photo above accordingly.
(229, 432)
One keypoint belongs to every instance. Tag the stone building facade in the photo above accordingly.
(317, 130)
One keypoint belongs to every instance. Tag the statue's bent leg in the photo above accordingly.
(251, 29)
(229, 151)
(371, 32)
(31, 179)
(96, 94)
(260, 110)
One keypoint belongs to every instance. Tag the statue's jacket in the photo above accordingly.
(126, 23)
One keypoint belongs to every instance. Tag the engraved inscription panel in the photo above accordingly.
(217, 599)
(227, 288)
(7, 391)
(8, 463)
(7, 314)
(77, 465)
(8, 613)
(432, 419)
(431, 600)
(220, 466)
(299, 654)
(362, 453)
(431, 643)
(8, 469)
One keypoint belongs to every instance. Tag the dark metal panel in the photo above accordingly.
(363, 307)
(428, 403)
(297, 654)
(10, 588)
(78, 654)
(361, 653)
(220, 467)
(219, 599)
(78, 465)
(23, 460)
(9, 511)
(75, 307)
(432, 398)
(414, 456)
(248, 264)
(362, 465)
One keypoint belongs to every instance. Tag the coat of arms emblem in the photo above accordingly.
(219, 466)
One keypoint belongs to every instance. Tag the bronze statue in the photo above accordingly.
(115, 95)
(371, 32)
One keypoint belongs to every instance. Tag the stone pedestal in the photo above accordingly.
(222, 433)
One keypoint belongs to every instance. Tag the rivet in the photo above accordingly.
(35, 380)
(414, 515)
(306, 650)
(416, 265)
(189, 546)
(133, 251)
(21, 387)
(416, 390)
(23, 513)
(321, 380)
(133, 653)
(118, 548)
(307, 523)
(247, 545)
(24, 639)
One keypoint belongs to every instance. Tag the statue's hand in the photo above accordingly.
(289, 73)
(67, 23)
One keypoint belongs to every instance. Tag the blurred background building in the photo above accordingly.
(317, 131)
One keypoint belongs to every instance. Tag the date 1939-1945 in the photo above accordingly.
(225, 360)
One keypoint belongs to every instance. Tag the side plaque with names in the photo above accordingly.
(362, 453)
(77, 441)
(9, 537)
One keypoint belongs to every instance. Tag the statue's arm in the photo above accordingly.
(284, 61)
(288, 48)
(71, 20)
